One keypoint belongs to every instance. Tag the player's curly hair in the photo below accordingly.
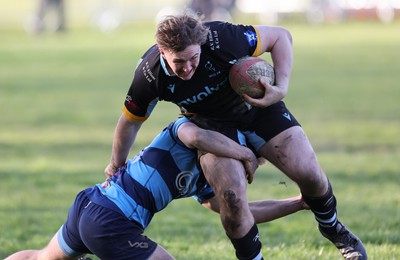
(177, 32)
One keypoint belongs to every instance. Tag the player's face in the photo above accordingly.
(183, 63)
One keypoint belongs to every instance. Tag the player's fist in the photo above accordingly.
(110, 170)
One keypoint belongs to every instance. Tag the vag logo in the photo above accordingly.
(138, 244)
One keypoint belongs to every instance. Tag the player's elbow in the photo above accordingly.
(285, 33)
(191, 136)
(282, 35)
(197, 138)
(211, 204)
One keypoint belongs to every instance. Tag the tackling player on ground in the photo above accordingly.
(108, 219)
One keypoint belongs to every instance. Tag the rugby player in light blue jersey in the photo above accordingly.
(108, 219)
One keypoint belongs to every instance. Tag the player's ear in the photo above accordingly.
(162, 52)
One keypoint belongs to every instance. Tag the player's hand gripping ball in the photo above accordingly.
(245, 74)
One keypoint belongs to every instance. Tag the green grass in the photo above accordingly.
(61, 96)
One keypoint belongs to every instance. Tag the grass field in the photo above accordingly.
(61, 96)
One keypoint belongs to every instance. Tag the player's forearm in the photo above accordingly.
(220, 145)
(124, 137)
(282, 57)
(279, 44)
(268, 210)
(208, 141)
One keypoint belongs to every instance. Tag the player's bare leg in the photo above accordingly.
(228, 179)
(292, 153)
(229, 185)
(161, 254)
(51, 251)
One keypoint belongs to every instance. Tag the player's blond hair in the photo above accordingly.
(177, 32)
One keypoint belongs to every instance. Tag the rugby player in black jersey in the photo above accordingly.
(189, 66)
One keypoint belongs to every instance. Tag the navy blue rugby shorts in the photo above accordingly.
(259, 125)
(263, 124)
(93, 229)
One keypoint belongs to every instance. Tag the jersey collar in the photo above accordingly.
(164, 66)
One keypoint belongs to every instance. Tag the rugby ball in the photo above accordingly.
(245, 74)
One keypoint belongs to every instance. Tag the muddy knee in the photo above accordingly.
(232, 200)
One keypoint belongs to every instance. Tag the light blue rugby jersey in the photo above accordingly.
(163, 171)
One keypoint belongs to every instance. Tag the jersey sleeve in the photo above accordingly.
(175, 126)
(142, 96)
(232, 41)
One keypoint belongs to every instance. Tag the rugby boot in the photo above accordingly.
(348, 244)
